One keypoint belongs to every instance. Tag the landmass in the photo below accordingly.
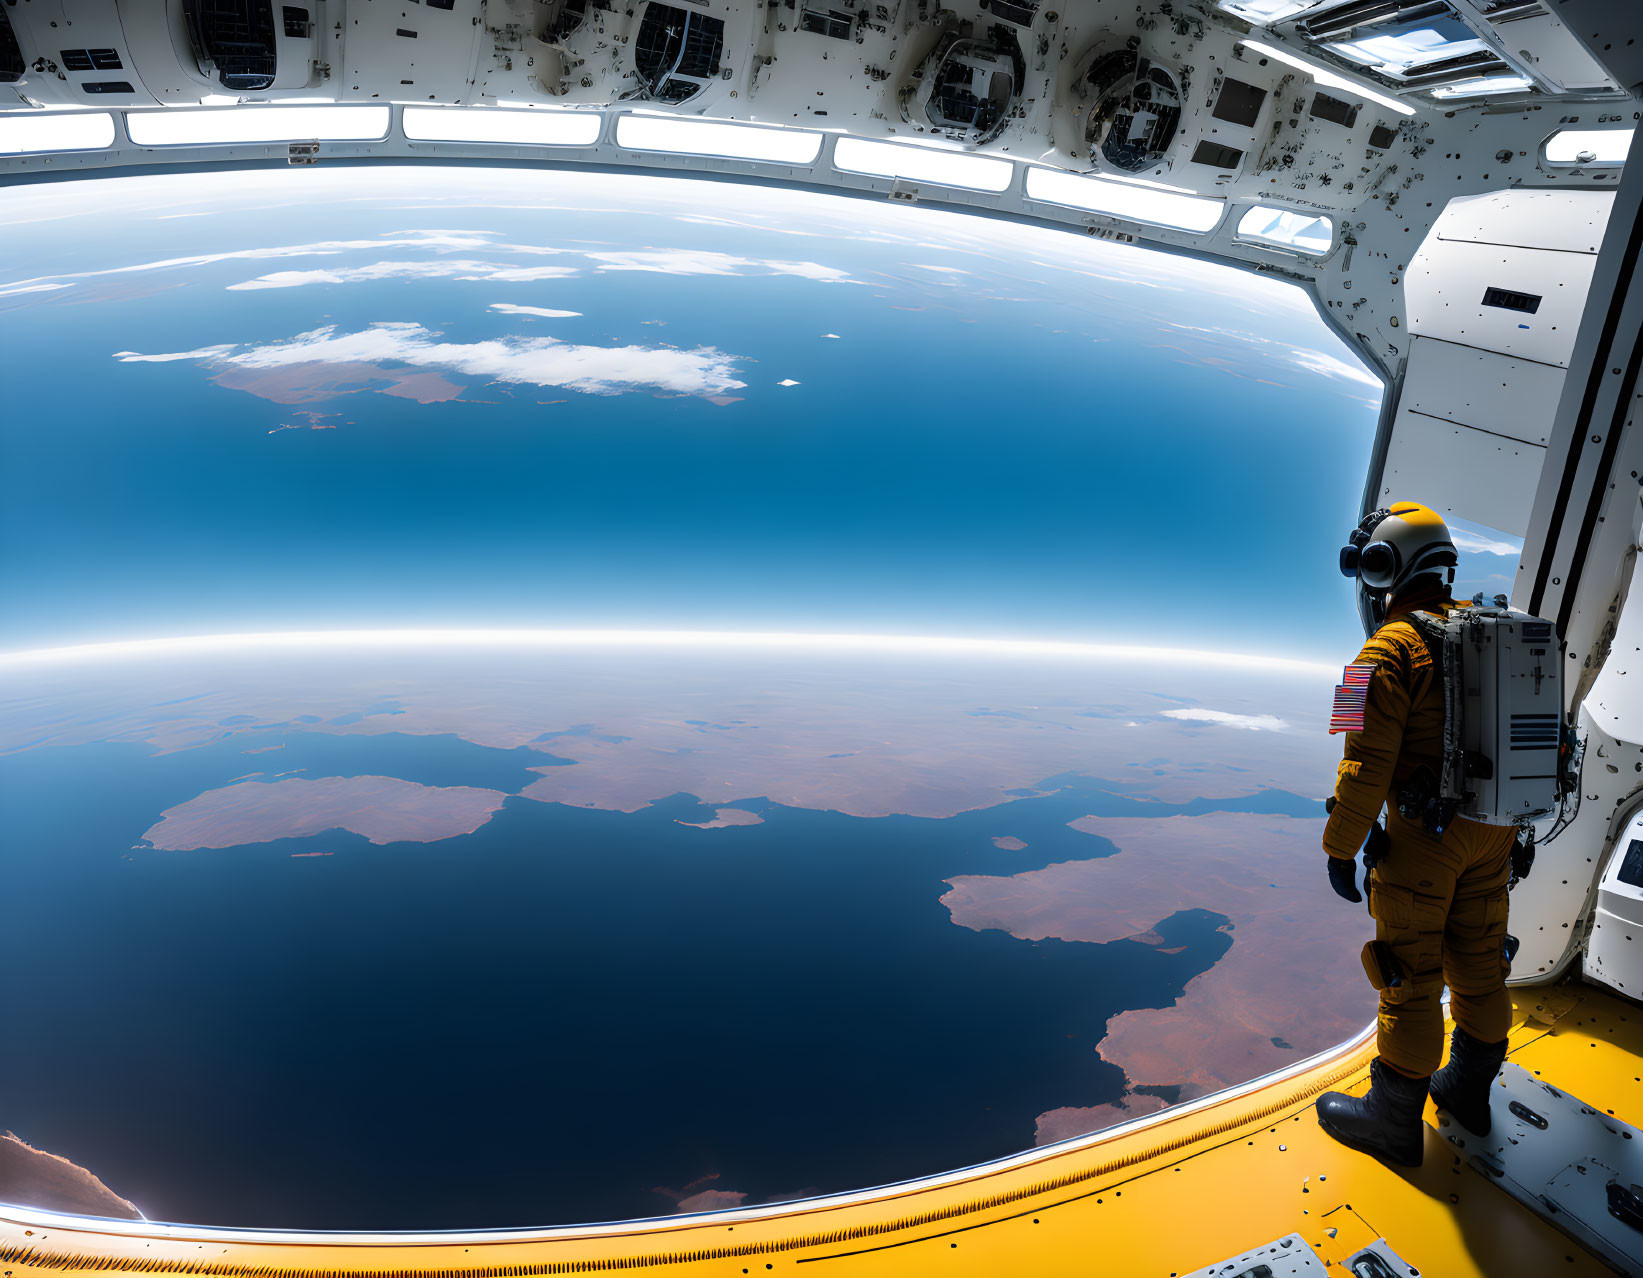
(320, 379)
(1292, 976)
(726, 816)
(1077, 1120)
(1009, 843)
(34, 1178)
(381, 809)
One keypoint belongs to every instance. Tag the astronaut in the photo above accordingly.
(1437, 882)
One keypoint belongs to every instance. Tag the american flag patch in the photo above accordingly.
(1350, 695)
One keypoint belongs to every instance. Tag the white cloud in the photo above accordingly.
(508, 308)
(204, 352)
(539, 361)
(521, 274)
(462, 269)
(702, 262)
(31, 288)
(441, 240)
(1225, 718)
(1481, 544)
(371, 271)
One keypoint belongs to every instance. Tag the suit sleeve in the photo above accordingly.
(1365, 775)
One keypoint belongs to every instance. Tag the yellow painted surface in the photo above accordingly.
(1181, 1190)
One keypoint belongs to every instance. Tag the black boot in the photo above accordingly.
(1386, 1122)
(1461, 1088)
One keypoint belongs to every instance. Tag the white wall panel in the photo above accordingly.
(1480, 388)
(434, 65)
(1448, 279)
(1570, 221)
(1457, 470)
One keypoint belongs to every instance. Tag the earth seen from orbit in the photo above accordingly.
(506, 935)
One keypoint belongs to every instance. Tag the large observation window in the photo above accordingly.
(1303, 232)
(1588, 147)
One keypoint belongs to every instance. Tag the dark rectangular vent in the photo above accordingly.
(1381, 137)
(11, 54)
(1507, 300)
(1239, 103)
(1019, 12)
(1334, 110)
(75, 59)
(106, 59)
(296, 22)
(1631, 867)
(441, 4)
(827, 22)
(1217, 156)
(1533, 732)
(236, 37)
(409, 35)
(107, 86)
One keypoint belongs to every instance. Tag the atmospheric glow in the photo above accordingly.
(717, 137)
(1187, 212)
(484, 124)
(1303, 232)
(717, 640)
(921, 164)
(196, 127)
(1605, 146)
(21, 134)
(1322, 76)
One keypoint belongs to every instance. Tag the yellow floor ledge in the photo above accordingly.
(1165, 1195)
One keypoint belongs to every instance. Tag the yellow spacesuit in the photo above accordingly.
(1438, 883)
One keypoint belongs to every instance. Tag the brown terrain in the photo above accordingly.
(320, 380)
(1290, 985)
(382, 809)
(33, 1178)
(723, 817)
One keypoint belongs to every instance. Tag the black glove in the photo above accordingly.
(1523, 858)
(1376, 846)
(1343, 876)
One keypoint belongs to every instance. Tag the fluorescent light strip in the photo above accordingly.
(1607, 146)
(1138, 204)
(227, 125)
(28, 134)
(720, 640)
(1324, 76)
(921, 164)
(717, 138)
(489, 124)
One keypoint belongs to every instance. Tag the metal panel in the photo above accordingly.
(1458, 470)
(1564, 1159)
(1470, 387)
(1448, 280)
(1286, 1258)
(1568, 221)
(412, 53)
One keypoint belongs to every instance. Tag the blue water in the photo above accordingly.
(570, 1014)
